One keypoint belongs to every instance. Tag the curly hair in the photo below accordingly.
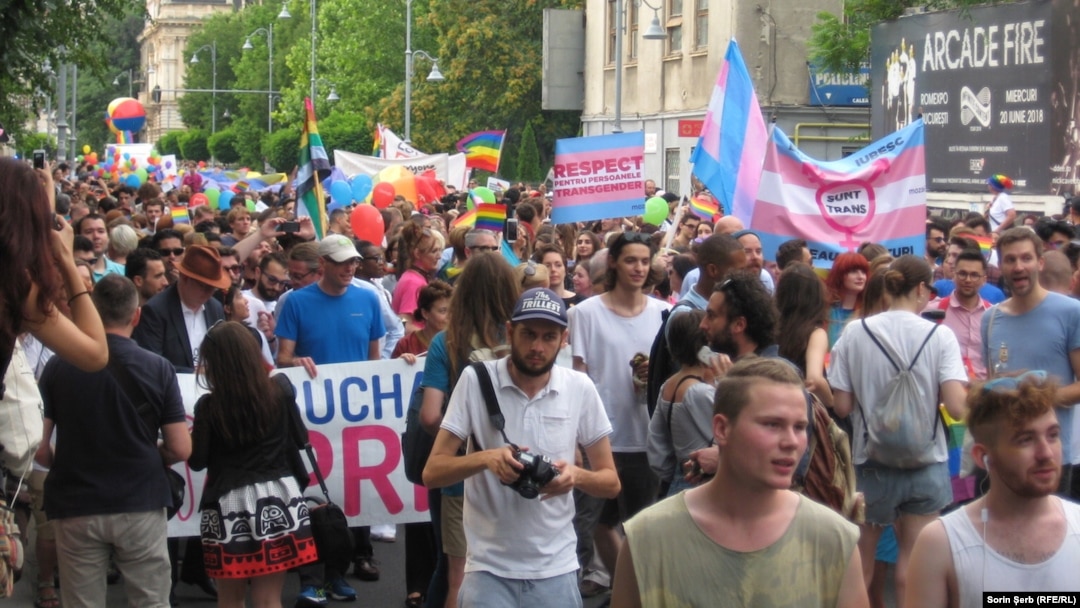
(991, 409)
(746, 297)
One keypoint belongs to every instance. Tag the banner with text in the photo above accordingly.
(598, 177)
(877, 194)
(450, 170)
(355, 414)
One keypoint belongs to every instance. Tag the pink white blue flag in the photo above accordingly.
(877, 194)
(731, 147)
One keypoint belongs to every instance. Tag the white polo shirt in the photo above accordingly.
(510, 536)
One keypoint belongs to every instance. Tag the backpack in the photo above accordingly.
(899, 431)
(661, 364)
(828, 475)
(416, 443)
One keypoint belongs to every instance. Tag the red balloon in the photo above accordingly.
(428, 189)
(367, 223)
(198, 200)
(382, 195)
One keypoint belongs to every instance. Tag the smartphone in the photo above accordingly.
(705, 355)
(39, 159)
(511, 232)
(289, 227)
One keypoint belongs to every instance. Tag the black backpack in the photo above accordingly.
(661, 364)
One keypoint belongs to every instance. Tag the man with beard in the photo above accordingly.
(1018, 537)
(936, 242)
(170, 244)
(522, 552)
(964, 309)
(271, 280)
(1035, 329)
(740, 319)
(146, 270)
(755, 257)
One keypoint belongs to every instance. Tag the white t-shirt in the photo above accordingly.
(606, 343)
(257, 305)
(999, 209)
(395, 329)
(510, 536)
(858, 366)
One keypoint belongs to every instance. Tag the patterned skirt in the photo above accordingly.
(257, 530)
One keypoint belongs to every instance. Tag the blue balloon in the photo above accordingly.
(133, 180)
(361, 187)
(225, 198)
(340, 192)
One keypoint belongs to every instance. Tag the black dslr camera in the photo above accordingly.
(538, 471)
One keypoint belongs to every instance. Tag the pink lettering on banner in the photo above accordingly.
(584, 177)
(378, 474)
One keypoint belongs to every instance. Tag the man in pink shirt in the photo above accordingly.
(964, 310)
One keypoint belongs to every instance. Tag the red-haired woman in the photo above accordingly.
(846, 283)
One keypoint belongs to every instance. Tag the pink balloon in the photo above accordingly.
(382, 195)
(367, 223)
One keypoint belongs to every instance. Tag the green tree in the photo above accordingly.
(193, 144)
(528, 160)
(170, 143)
(282, 149)
(221, 35)
(96, 89)
(223, 146)
(842, 43)
(345, 131)
(26, 144)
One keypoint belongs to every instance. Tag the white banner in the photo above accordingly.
(393, 147)
(355, 414)
(449, 169)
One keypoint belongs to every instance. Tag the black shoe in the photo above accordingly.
(203, 582)
(364, 568)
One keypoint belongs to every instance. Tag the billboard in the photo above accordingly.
(996, 88)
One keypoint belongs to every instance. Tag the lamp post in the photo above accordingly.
(213, 96)
(269, 31)
(410, 55)
(131, 78)
(655, 32)
(332, 96)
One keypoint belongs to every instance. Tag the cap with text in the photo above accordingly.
(338, 248)
(542, 305)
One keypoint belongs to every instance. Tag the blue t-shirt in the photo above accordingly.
(988, 292)
(331, 329)
(437, 376)
(1055, 322)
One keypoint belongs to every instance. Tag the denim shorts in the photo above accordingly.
(890, 492)
(485, 590)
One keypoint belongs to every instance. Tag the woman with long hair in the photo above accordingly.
(246, 434)
(587, 246)
(803, 306)
(418, 254)
(236, 308)
(483, 301)
(847, 284)
(38, 265)
(553, 258)
(682, 420)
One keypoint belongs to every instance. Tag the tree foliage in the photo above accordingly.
(223, 146)
(528, 160)
(194, 144)
(96, 89)
(170, 143)
(282, 149)
(842, 44)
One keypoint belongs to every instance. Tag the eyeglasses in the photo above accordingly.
(234, 269)
(484, 248)
(938, 239)
(178, 251)
(300, 276)
(274, 281)
(373, 258)
(969, 276)
(1012, 382)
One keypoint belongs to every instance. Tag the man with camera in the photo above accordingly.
(522, 552)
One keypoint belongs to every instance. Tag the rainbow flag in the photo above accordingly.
(465, 219)
(180, 216)
(490, 217)
(376, 146)
(704, 206)
(482, 149)
(986, 244)
(314, 168)
(731, 149)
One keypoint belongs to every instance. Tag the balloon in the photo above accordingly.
(382, 195)
(428, 189)
(361, 187)
(133, 180)
(213, 195)
(125, 114)
(225, 200)
(341, 192)
(199, 199)
(141, 173)
(486, 195)
(85, 149)
(92, 158)
(250, 205)
(168, 164)
(367, 223)
(656, 211)
(127, 156)
(406, 187)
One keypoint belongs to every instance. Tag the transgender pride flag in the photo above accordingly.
(877, 194)
(731, 148)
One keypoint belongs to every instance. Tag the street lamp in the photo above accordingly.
(333, 96)
(655, 32)
(410, 55)
(269, 31)
(213, 96)
(131, 78)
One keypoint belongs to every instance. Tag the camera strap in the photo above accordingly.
(487, 389)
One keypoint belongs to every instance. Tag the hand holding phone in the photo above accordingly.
(39, 159)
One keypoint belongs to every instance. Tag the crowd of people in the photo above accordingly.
(626, 409)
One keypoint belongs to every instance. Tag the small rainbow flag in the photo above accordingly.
(465, 219)
(482, 149)
(490, 217)
(986, 245)
(180, 216)
(704, 206)
(376, 146)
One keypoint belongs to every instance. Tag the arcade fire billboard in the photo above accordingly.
(997, 88)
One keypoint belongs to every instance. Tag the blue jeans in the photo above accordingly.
(485, 590)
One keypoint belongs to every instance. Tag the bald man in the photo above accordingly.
(729, 224)
(1057, 273)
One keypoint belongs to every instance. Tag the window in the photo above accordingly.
(671, 170)
(701, 25)
(632, 27)
(674, 27)
(611, 31)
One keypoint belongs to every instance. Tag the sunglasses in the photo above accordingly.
(178, 251)
(234, 269)
(636, 237)
(1013, 382)
(484, 248)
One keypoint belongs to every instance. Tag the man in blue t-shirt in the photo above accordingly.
(332, 321)
(1035, 329)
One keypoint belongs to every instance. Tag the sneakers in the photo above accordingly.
(340, 591)
(310, 596)
(364, 568)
